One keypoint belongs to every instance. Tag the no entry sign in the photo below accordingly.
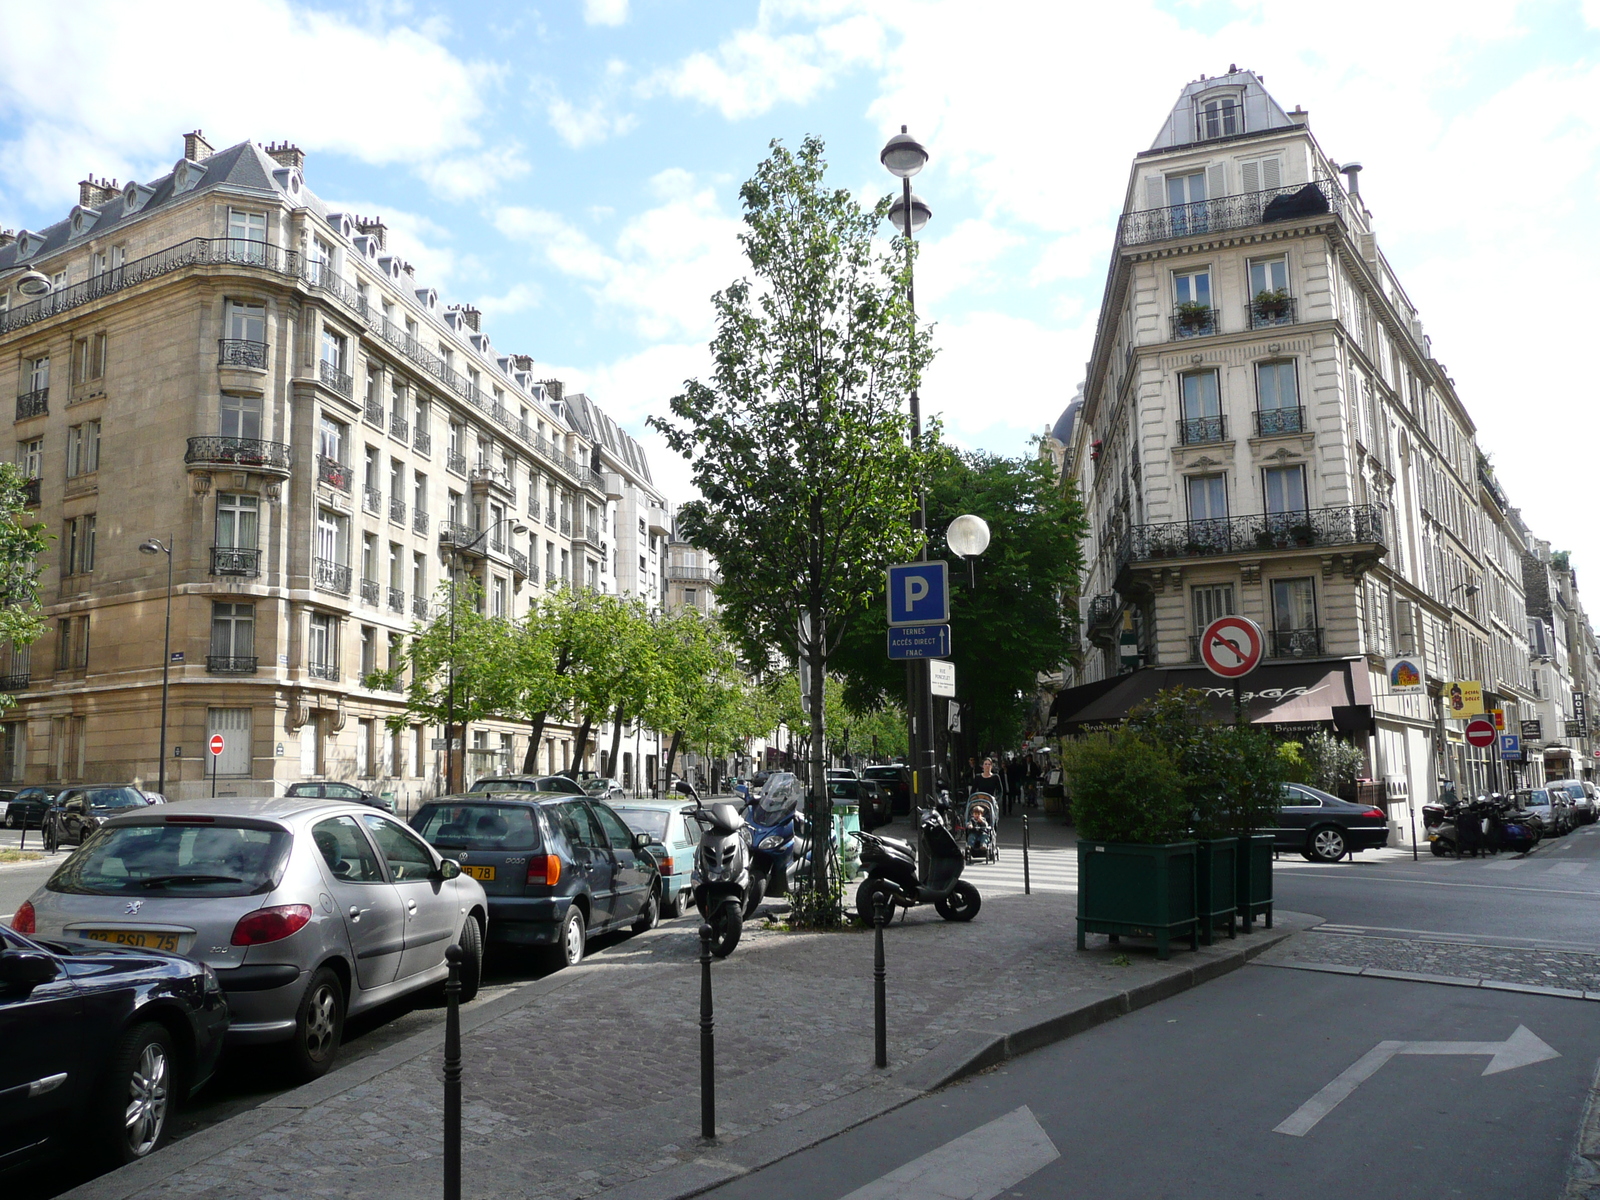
(1231, 646)
(1480, 731)
(216, 744)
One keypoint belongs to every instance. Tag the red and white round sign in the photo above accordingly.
(216, 743)
(1231, 646)
(1480, 731)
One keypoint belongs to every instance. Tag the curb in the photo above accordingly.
(1496, 985)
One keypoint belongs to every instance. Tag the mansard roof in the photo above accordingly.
(1191, 121)
(590, 421)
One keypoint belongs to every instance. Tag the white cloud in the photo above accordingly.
(605, 12)
(519, 298)
(965, 260)
(474, 176)
(1000, 379)
(595, 121)
(418, 240)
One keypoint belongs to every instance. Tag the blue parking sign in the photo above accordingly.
(1510, 746)
(919, 593)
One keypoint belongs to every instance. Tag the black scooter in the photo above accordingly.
(892, 873)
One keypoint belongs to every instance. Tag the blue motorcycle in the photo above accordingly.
(771, 823)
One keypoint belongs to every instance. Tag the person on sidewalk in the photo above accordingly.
(987, 781)
(1016, 773)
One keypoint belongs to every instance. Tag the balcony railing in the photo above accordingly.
(1194, 323)
(594, 481)
(589, 534)
(419, 607)
(457, 462)
(550, 577)
(1294, 643)
(15, 681)
(251, 453)
(1231, 212)
(1196, 430)
(240, 352)
(1357, 525)
(1264, 314)
(1102, 608)
(399, 427)
(519, 563)
(397, 510)
(330, 576)
(320, 670)
(550, 517)
(693, 574)
(333, 377)
(33, 404)
(371, 500)
(422, 441)
(30, 493)
(333, 472)
(1273, 421)
(463, 537)
(230, 664)
(566, 526)
(369, 592)
(420, 522)
(397, 599)
(236, 560)
(372, 411)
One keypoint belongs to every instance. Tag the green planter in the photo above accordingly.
(1254, 874)
(1142, 891)
(1216, 885)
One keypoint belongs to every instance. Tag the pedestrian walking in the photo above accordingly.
(987, 781)
(1016, 772)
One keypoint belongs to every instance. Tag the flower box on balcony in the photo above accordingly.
(1303, 535)
(1272, 303)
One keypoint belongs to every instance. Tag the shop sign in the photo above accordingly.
(1406, 675)
(1463, 698)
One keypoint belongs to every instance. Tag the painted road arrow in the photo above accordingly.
(976, 1166)
(1521, 1049)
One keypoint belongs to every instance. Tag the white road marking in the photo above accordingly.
(1566, 868)
(975, 1166)
(1521, 1049)
(1493, 887)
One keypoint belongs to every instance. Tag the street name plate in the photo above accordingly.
(440, 744)
(919, 641)
(942, 678)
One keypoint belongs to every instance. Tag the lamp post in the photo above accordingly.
(452, 781)
(156, 546)
(968, 537)
(903, 156)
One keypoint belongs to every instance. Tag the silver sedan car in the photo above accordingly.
(307, 909)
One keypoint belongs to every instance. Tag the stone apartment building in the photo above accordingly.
(1264, 431)
(217, 360)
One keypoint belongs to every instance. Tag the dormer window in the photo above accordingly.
(134, 197)
(185, 176)
(1219, 115)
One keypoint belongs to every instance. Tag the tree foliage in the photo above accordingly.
(22, 541)
(1124, 788)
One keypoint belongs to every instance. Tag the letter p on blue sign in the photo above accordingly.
(919, 593)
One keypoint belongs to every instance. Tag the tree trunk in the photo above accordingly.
(583, 747)
(530, 761)
(822, 814)
(672, 754)
(616, 746)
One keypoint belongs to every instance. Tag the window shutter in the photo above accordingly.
(1155, 194)
(1405, 634)
(1250, 177)
(1216, 181)
(1271, 173)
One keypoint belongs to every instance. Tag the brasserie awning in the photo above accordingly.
(1333, 694)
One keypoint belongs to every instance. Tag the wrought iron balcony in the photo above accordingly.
(399, 427)
(1357, 525)
(594, 481)
(519, 563)
(330, 576)
(464, 538)
(1196, 430)
(236, 560)
(1194, 323)
(550, 517)
(550, 577)
(33, 404)
(372, 500)
(397, 510)
(333, 377)
(30, 493)
(419, 607)
(372, 411)
(16, 681)
(230, 664)
(252, 454)
(1279, 310)
(333, 472)
(420, 522)
(422, 441)
(1102, 610)
(321, 670)
(692, 574)
(457, 462)
(240, 352)
(589, 534)
(566, 526)
(1294, 643)
(1272, 421)
(1231, 212)
(397, 599)
(369, 592)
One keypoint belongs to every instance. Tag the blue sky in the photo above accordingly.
(572, 167)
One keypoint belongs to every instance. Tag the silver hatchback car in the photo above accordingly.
(307, 909)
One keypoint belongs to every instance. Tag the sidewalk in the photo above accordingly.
(586, 1082)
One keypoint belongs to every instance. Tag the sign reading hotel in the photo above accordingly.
(1463, 699)
(1406, 676)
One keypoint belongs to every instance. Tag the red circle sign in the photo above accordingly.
(1480, 731)
(216, 743)
(1231, 646)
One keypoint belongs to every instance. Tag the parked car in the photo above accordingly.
(308, 910)
(673, 837)
(895, 778)
(76, 812)
(153, 797)
(872, 800)
(562, 785)
(1324, 828)
(556, 868)
(601, 788)
(1583, 808)
(842, 773)
(320, 789)
(1551, 804)
(101, 1042)
(27, 807)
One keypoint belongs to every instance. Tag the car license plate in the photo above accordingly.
(144, 939)
(484, 874)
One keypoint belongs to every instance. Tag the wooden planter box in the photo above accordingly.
(1254, 875)
(1141, 891)
(1216, 885)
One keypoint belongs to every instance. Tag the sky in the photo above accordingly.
(572, 168)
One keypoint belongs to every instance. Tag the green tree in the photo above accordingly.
(697, 682)
(22, 541)
(798, 443)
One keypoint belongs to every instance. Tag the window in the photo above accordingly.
(38, 373)
(333, 350)
(233, 631)
(320, 261)
(408, 857)
(1200, 395)
(323, 643)
(247, 226)
(369, 650)
(88, 358)
(66, 747)
(397, 576)
(1285, 489)
(83, 449)
(369, 558)
(691, 595)
(1268, 275)
(77, 545)
(419, 492)
(499, 607)
(374, 469)
(13, 750)
(1208, 497)
(1276, 386)
(1192, 287)
(397, 653)
(330, 440)
(238, 520)
(1220, 116)
(616, 832)
(1189, 188)
(1210, 602)
(458, 438)
(1294, 605)
(247, 322)
(72, 643)
(419, 576)
(240, 417)
(331, 536)
(397, 400)
(364, 748)
(30, 458)
(1263, 175)
(346, 850)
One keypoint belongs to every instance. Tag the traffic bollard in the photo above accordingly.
(880, 1004)
(708, 1045)
(452, 1075)
(1027, 879)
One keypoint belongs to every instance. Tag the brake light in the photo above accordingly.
(545, 869)
(271, 924)
(187, 819)
(23, 921)
(666, 865)
(1376, 814)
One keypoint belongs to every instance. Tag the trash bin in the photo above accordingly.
(845, 818)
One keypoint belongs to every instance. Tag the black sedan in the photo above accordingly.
(79, 811)
(100, 1042)
(26, 809)
(895, 778)
(1325, 828)
(333, 790)
(871, 799)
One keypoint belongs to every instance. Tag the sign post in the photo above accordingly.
(1231, 648)
(215, 747)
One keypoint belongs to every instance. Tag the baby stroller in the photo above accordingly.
(980, 841)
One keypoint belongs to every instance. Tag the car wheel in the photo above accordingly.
(471, 969)
(11, 820)
(570, 941)
(139, 1094)
(1327, 844)
(650, 914)
(318, 1026)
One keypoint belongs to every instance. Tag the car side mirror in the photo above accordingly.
(449, 868)
(642, 841)
(25, 969)
(76, 805)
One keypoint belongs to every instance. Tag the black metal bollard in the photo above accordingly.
(880, 1003)
(708, 1043)
(452, 1075)
(1027, 878)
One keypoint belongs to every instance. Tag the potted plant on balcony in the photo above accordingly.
(1303, 533)
(1193, 315)
(1272, 302)
(1135, 867)
(1264, 539)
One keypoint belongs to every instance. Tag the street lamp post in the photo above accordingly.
(452, 778)
(968, 537)
(156, 546)
(903, 156)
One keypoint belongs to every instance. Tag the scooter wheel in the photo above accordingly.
(961, 904)
(1437, 848)
(727, 923)
(866, 898)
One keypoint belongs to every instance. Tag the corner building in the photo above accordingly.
(223, 362)
(1264, 431)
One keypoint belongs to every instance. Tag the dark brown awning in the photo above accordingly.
(1330, 694)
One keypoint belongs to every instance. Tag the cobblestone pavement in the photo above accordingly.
(592, 1081)
(1570, 970)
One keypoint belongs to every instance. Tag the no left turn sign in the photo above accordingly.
(1231, 646)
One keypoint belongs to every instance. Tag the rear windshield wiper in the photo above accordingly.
(156, 881)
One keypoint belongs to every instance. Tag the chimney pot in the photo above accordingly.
(286, 154)
(195, 147)
(94, 193)
(555, 387)
(374, 227)
(1352, 177)
(523, 362)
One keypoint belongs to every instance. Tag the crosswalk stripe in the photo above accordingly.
(975, 1166)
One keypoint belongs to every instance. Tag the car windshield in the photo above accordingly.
(175, 860)
(556, 786)
(597, 787)
(117, 797)
(1537, 798)
(479, 826)
(882, 772)
(646, 820)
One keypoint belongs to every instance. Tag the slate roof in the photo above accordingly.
(1261, 111)
(590, 421)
